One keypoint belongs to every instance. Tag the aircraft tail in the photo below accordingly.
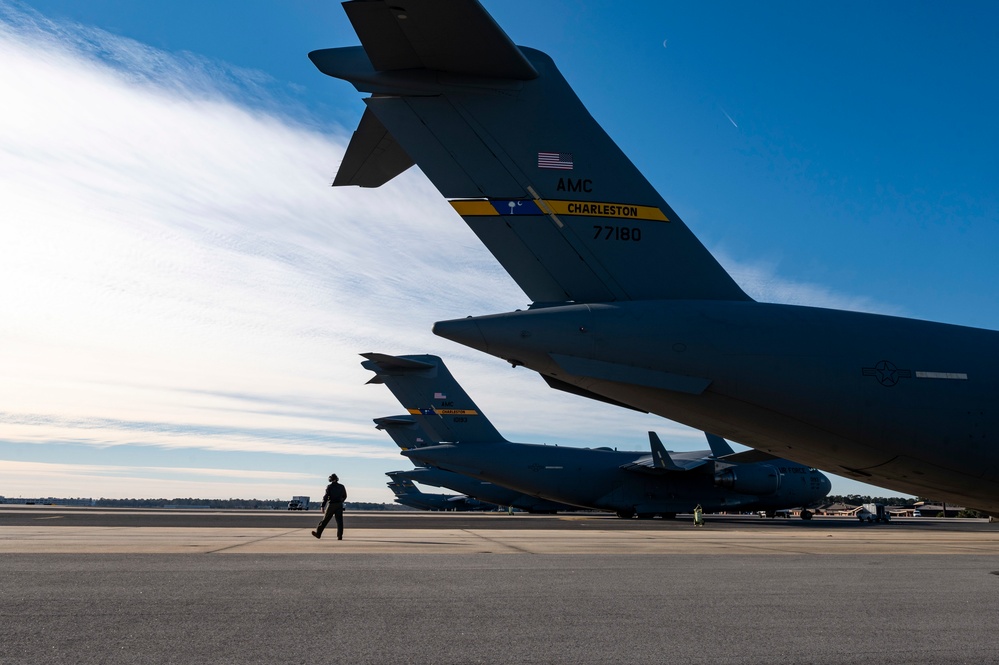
(502, 135)
(432, 396)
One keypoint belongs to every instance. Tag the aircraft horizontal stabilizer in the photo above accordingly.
(457, 36)
(394, 421)
(385, 365)
(396, 363)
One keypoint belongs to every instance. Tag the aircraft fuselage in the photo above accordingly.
(882, 399)
(594, 478)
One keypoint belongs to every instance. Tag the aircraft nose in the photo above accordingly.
(825, 486)
(464, 331)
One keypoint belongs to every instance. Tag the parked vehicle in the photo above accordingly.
(874, 512)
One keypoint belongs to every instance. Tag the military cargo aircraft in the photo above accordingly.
(483, 490)
(408, 494)
(408, 435)
(628, 305)
(646, 484)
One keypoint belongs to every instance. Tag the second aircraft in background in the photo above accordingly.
(647, 484)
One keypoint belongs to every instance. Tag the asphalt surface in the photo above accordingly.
(333, 606)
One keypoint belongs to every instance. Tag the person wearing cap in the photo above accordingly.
(333, 500)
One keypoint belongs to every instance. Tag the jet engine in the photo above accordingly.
(758, 479)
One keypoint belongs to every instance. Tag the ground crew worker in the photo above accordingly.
(333, 500)
(698, 515)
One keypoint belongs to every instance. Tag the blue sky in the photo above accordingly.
(183, 296)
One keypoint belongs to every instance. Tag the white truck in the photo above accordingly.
(298, 503)
(874, 512)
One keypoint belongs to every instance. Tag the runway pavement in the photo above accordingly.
(88, 586)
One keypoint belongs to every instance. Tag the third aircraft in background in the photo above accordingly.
(628, 306)
(408, 494)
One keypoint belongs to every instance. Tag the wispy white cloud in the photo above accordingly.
(175, 270)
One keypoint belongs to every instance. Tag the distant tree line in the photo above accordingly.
(191, 501)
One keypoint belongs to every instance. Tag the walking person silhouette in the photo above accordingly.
(333, 500)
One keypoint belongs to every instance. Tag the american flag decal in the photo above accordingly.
(561, 161)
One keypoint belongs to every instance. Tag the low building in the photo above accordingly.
(924, 509)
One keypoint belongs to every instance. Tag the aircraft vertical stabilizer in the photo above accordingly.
(500, 133)
(435, 400)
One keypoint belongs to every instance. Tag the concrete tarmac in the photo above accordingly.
(82, 586)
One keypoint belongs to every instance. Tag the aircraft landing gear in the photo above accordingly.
(626, 514)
